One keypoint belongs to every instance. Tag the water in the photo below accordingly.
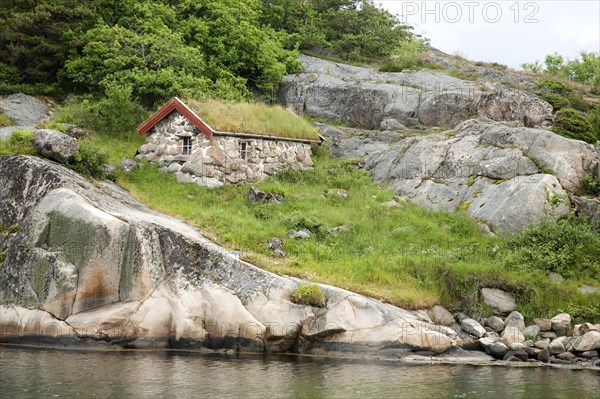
(39, 373)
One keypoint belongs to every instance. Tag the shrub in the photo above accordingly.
(89, 161)
(591, 186)
(115, 115)
(568, 246)
(573, 124)
(409, 54)
(298, 221)
(309, 294)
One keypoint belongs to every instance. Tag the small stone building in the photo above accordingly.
(182, 143)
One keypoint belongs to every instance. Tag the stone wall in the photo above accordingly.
(217, 161)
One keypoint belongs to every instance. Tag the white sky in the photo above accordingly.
(509, 32)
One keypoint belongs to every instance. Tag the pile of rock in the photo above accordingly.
(553, 340)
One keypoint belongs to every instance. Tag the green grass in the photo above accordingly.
(253, 118)
(19, 142)
(5, 121)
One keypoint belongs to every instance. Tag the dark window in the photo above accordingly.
(187, 145)
(243, 150)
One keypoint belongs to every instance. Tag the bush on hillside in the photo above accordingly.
(574, 124)
(568, 246)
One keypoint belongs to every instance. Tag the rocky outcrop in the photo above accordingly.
(364, 97)
(86, 263)
(24, 111)
(506, 177)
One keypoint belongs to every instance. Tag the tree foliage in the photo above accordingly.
(585, 70)
(351, 29)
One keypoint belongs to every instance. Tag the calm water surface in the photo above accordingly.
(39, 373)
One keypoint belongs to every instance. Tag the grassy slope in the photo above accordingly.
(405, 255)
(253, 118)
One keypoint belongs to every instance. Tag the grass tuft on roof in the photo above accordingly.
(253, 118)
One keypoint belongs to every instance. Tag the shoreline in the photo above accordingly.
(410, 359)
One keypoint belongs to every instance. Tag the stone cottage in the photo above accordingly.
(182, 143)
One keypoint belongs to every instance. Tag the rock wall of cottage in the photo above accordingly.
(217, 161)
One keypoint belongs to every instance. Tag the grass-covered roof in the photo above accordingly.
(253, 118)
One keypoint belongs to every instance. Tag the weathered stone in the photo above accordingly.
(128, 165)
(556, 277)
(511, 335)
(590, 341)
(581, 329)
(531, 332)
(500, 301)
(515, 319)
(495, 323)
(544, 356)
(542, 343)
(184, 177)
(561, 323)
(255, 195)
(301, 234)
(566, 356)
(54, 145)
(472, 327)
(514, 355)
(589, 354)
(493, 348)
(548, 334)
(460, 316)
(275, 243)
(544, 324)
(557, 346)
(441, 316)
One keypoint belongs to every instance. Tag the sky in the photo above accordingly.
(508, 32)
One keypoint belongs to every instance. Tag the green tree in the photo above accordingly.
(36, 36)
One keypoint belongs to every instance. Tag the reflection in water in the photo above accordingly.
(31, 373)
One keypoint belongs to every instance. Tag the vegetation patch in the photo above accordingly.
(5, 121)
(255, 118)
(574, 124)
(309, 294)
(19, 142)
(591, 186)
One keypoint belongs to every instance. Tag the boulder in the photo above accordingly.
(303, 234)
(557, 346)
(515, 319)
(511, 335)
(590, 341)
(493, 348)
(128, 165)
(543, 355)
(54, 145)
(566, 356)
(441, 316)
(500, 301)
(472, 327)
(587, 289)
(495, 323)
(544, 324)
(556, 277)
(561, 323)
(516, 355)
(542, 343)
(255, 195)
(581, 329)
(531, 332)
(589, 354)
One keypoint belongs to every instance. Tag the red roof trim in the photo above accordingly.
(165, 110)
